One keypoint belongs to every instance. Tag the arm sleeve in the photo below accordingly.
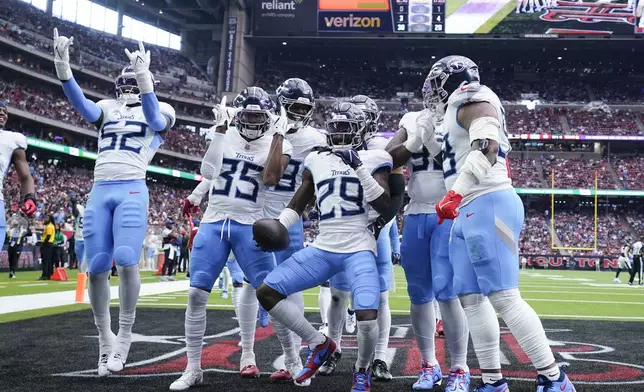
(87, 108)
(152, 112)
(393, 236)
(211, 164)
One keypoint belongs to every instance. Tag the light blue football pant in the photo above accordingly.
(3, 222)
(424, 256)
(211, 248)
(383, 264)
(311, 267)
(115, 223)
(484, 244)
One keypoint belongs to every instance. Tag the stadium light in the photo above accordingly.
(284, 43)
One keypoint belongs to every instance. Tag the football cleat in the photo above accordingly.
(294, 370)
(102, 366)
(118, 357)
(320, 354)
(264, 319)
(616, 280)
(381, 371)
(350, 322)
(459, 381)
(281, 375)
(361, 380)
(329, 366)
(324, 329)
(104, 354)
(563, 384)
(428, 377)
(250, 371)
(188, 379)
(224, 294)
(499, 386)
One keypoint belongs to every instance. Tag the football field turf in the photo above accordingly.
(593, 324)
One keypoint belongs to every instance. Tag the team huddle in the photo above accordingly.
(265, 165)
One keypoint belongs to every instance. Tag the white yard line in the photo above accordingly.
(19, 303)
(32, 284)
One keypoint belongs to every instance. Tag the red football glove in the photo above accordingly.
(447, 208)
(29, 207)
(189, 208)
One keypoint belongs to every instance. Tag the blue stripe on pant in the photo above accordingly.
(79, 249)
(115, 223)
(311, 267)
(211, 248)
(484, 244)
(383, 264)
(425, 258)
(296, 237)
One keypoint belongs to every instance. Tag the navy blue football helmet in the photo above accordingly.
(297, 98)
(345, 126)
(127, 87)
(372, 111)
(254, 116)
(445, 76)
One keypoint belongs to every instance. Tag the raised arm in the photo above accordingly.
(87, 108)
(156, 119)
(277, 160)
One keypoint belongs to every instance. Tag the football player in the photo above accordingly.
(425, 255)
(241, 162)
(340, 285)
(484, 239)
(624, 261)
(131, 129)
(12, 151)
(78, 211)
(346, 185)
(296, 97)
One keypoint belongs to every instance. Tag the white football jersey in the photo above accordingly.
(9, 142)
(78, 224)
(278, 196)
(344, 211)
(377, 143)
(426, 184)
(126, 144)
(238, 193)
(457, 142)
(625, 251)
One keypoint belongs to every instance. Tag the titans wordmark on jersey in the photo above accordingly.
(126, 144)
(457, 142)
(303, 141)
(426, 181)
(344, 211)
(9, 142)
(238, 193)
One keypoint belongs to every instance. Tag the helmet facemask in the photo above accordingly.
(298, 112)
(372, 125)
(127, 88)
(342, 133)
(435, 96)
(252, 122)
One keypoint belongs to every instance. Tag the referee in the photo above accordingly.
(637, 263)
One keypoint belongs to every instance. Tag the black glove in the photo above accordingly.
(350, 157)
(377, 226)
(395, 258)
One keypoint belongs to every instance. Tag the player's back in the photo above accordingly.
(457, 142)
(302, 141)
(344, 211)
(126, 144)
(9, 142)
(238, 193)
(426, 185)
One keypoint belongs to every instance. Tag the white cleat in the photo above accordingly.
(294, 370)
(118, 357)
(102, 366)
(104, 354)
(324, 329)
(188, 379)
(350, 322)
(224, 294)
(616, 280)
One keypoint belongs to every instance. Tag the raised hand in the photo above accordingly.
(223, 114)
(61, 55)
(280, 123)
(139, 59)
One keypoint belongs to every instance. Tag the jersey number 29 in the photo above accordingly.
(349, 192)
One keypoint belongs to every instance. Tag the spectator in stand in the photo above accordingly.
(59, 247)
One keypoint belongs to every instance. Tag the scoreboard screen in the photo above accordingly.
(386, 16)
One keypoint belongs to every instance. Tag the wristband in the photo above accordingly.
(288, 217)
(372, 190)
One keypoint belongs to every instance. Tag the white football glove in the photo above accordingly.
(140, 62)
(280, 123)
(61, 55)
(223, 114)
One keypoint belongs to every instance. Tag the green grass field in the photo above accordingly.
(584, 295)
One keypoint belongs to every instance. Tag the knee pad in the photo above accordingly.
(366, 294)
(100, 263)
(419, 293)
(132, 214)
(384, 283)
(203, 280)
(125, 256)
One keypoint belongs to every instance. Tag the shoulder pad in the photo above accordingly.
(21, 141)
(377, 143)
(287, 147)
(408, 120)
(375, 159)
(472, 93)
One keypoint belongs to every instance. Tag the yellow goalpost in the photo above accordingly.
(552, 208)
